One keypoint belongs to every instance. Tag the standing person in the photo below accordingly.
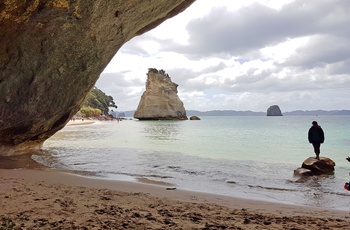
(316, 138)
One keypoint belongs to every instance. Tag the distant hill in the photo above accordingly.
(223, 113)
(251, 113)
(123, 113)
(248, 113)
(316, 113)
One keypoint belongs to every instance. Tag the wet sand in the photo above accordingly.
(47, 199)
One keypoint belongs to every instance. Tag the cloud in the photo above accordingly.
(125, 92)
(257, 26)
(320, 51)
(243, 56)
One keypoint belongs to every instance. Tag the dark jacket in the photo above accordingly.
(316, 134)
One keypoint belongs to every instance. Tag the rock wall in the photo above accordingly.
(274, 110)
(160, 100)
(52, 53)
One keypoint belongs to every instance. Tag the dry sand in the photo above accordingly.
(46, 199)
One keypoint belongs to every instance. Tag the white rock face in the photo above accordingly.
(160, 100)
(274, 110)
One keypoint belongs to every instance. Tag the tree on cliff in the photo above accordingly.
(97, 99)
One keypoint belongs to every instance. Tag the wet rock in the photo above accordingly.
(318, 167)
(313, 167)
(302, 172)
(194, 118)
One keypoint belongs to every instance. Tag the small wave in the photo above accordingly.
(136, 175)
(80, 163)
(273, 188)
(185, 171)
(156, 182)
(158, 176)
(46, 159)
(81, 173)
(174, 167)
(339, 194)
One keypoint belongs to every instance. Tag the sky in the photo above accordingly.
(242, 55)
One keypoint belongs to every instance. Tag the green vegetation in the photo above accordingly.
(97, 103)
(87, 111)
(162, 72)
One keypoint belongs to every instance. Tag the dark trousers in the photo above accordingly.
(316, 147)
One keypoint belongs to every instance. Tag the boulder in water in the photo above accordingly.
(313, 167)
(302, 172)
(318, 167)
(194, 118)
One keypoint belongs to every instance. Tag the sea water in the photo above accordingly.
(243, 156)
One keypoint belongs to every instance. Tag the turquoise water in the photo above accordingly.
(245, 156)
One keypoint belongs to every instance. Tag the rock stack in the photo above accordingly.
(274, 110)
(160, 100)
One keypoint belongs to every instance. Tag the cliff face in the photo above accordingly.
(160, 100)
(52, 53)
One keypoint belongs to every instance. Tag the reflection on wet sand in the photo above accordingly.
(24, 161)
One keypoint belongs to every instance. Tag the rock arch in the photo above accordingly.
(52, 53)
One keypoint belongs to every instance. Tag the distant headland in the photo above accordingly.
(249, 113)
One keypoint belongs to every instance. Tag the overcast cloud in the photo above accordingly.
(227, 55)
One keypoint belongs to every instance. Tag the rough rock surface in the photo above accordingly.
(312, 166)
(301, 172)
(274, 110)
(323, 166)
(195, 118)
(160, 100)
(52, 53)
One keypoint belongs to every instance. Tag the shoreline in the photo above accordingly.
(62, 196)
(80, 122)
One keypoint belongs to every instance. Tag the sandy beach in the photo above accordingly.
(34, 197)
(80, 122)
